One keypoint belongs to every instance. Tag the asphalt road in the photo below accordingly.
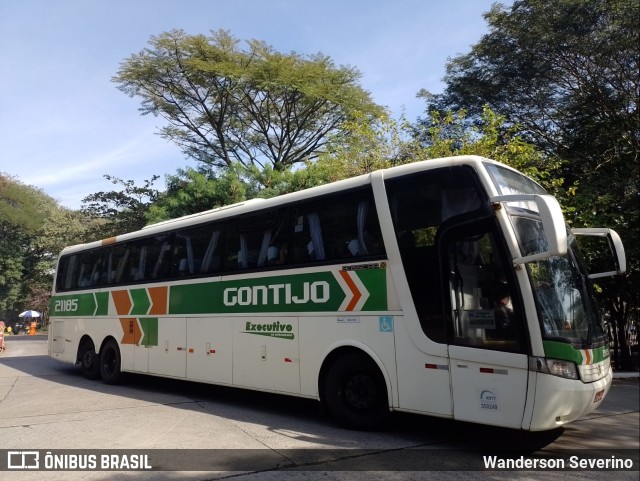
(47, 406)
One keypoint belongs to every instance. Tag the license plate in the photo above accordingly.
(599, 395)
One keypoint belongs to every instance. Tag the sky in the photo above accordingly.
(64, 124)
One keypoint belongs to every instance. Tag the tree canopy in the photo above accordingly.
(117, 211)
(568, 73)
(549, 65)
(33, 230)
(225, 105)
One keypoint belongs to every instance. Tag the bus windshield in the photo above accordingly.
(511, 182)
(566, 310)
(565, 307)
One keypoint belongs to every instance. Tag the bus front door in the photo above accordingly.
(488, 360)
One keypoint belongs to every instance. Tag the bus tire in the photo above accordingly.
(110, 362)
(89, 360)
(355, 392)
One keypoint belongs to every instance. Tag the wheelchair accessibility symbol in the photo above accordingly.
(386, 324)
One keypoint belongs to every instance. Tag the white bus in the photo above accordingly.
(449, 287)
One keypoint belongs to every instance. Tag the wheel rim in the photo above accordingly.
(360, 392)
(88, 358)
(109, 362)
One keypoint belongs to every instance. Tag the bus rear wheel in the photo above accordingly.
(355, 392)
(89, 361)
(110, 362)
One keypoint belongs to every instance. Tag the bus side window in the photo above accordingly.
(179, 259)
(66, 272)
(343, 226)
(162, 263)
(308, 244)
(196, 251)
(87, 265)
(252, 240)
(211, 260)
(64, 276)
(277, 252)
(122, 256)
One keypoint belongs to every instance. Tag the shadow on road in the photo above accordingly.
(296, 417)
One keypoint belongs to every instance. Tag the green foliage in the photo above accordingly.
(191, 191)
(118, 211)
(450, 134)
(18, 207)
(33, 230)
(386, 143)
(567, 72)
(228, 106)
(371, 144)
(546, 63)
(19, 222)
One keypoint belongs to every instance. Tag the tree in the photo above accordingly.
(190, 191)
(491, 137)
(19, 221)
(225, 105)
(371, 144)
(567, 71)
(383, 144)
(546, 64)
(60, 228)
(118, 211)
(33, 230)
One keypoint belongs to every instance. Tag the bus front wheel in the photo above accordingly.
(355, 392)
(110, 362)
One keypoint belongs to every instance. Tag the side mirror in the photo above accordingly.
(615, 245)
(554, 231)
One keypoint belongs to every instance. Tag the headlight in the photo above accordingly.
(555, 367)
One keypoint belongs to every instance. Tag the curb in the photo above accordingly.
(626, 375)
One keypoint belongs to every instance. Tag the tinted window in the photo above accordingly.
(339, 227)
(332, 228)
(420, 203)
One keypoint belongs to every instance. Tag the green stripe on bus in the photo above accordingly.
(562, 351)
(329, 291)
(74, 305)
(194, 298)
(149, 326)
(600, 354)
(375, 280)
(566, 352)
(102, 299)
(141, 302)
